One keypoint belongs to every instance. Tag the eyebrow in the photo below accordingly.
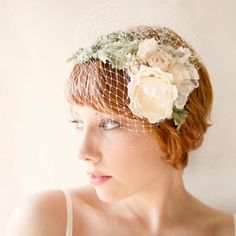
(78, 114)
(98, 114)
(73, 113)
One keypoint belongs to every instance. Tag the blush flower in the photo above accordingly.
(152, 53)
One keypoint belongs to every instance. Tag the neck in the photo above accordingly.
(160, 203)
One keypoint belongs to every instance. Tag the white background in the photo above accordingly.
(38, 144)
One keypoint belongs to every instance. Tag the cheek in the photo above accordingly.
(133, 155)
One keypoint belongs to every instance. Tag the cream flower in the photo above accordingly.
(186, 80)
(161, 76)
(152, 94)
(152, 53)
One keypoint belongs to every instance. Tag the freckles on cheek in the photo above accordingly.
(122, 148)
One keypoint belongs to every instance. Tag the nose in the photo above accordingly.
(89, 147)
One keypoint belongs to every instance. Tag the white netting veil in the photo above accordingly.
(136, 78)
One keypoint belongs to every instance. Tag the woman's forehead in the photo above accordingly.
(82, 110)
(85, 111)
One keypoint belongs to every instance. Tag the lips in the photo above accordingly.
(97, 174)
(97, 178)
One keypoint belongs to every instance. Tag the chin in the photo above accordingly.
(107, 197)
(111, 195)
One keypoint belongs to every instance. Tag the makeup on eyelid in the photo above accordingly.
(110, 122)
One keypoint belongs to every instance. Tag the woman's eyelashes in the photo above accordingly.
(109, 124)
(106, 124)
(78, 124)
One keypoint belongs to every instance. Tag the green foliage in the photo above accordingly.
(112, 47)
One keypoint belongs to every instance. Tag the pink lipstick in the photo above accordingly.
(97, 178)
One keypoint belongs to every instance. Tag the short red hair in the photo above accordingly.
(89, 80)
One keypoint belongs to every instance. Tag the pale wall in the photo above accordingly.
(38, 145)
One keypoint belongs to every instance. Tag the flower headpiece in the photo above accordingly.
(161, 77)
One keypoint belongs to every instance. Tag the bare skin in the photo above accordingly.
(145, 196)
(195, 218)
(44, 214)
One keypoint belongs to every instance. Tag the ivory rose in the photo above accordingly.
(152, 94)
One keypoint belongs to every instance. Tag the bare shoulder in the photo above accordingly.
(204, 219)
(222, 224)
(218, 223)
(40, 214)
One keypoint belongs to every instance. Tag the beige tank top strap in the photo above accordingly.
(69, 212)
(234, 215)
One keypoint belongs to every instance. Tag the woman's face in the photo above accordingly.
(133, 160)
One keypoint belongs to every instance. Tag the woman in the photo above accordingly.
(141, 100)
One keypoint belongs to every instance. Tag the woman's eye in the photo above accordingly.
(105, 123)
(110, 124)
(78, 124)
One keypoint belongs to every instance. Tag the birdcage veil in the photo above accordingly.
(136, 78)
